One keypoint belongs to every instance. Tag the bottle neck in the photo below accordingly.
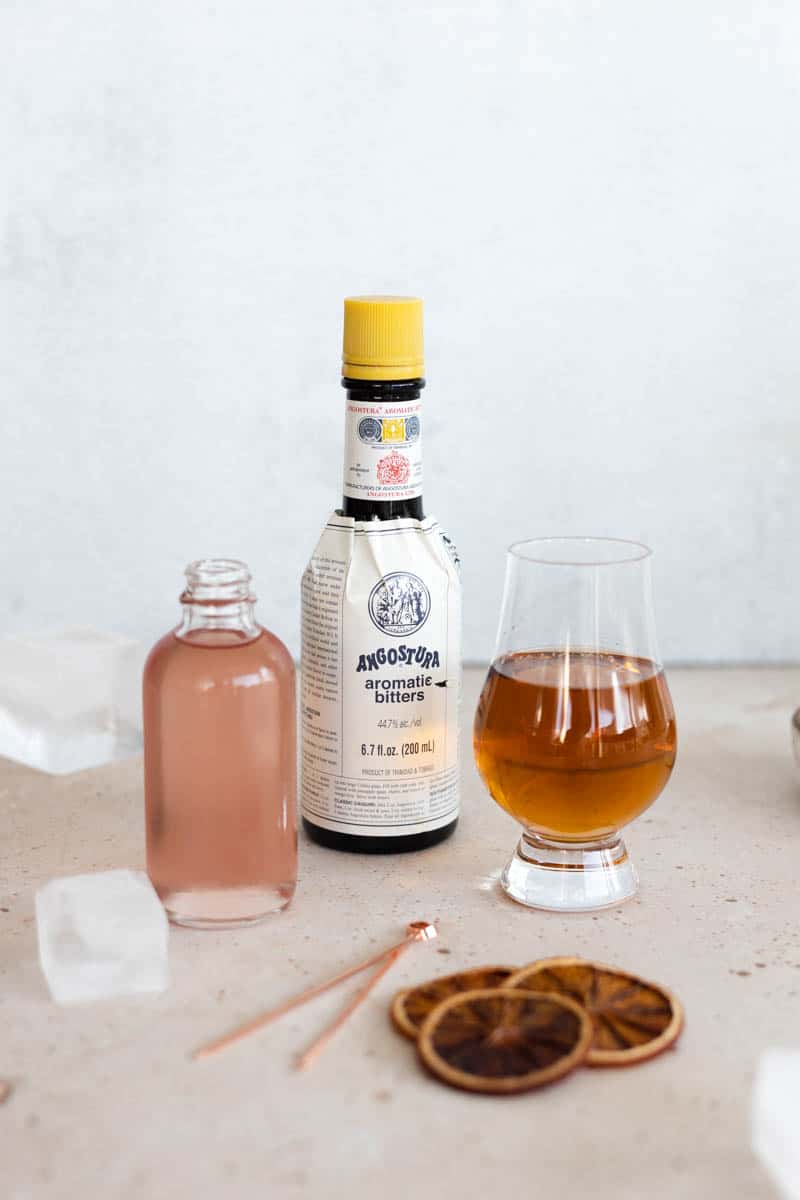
(383, 449)
(217, 600)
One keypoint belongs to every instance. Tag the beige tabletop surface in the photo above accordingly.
(106, 1103)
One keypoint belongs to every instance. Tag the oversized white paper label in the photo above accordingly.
(383, 450)
(381, 676)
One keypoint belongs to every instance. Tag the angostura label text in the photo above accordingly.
(380, 678)
(383, 451)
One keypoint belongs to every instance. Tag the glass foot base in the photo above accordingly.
(569, 876)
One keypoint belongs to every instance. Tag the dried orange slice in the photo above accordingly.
(411, 1006)
(501, 1041)
(633, 1020)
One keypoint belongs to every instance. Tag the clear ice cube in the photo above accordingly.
(101, 935)
(70, 700)
(776, 1103)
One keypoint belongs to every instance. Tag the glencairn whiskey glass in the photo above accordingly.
(575, 732)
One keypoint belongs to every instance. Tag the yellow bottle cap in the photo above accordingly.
(382, 338)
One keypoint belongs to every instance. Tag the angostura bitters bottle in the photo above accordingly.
(381, 604)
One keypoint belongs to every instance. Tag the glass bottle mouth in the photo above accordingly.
(217, 581)
(579, 551)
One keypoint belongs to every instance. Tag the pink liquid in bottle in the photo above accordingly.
(219, 731)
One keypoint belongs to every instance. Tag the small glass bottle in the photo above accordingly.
(220, 757)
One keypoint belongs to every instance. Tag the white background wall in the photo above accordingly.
(600, 203)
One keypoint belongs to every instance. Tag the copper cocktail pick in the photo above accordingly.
(416, 931)
(419, 931)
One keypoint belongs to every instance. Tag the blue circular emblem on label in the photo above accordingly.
(399, 604)
(370, 429)
(412, 429)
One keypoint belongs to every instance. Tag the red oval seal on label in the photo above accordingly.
(393, 468)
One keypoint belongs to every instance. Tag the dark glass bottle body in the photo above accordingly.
(380, 392)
